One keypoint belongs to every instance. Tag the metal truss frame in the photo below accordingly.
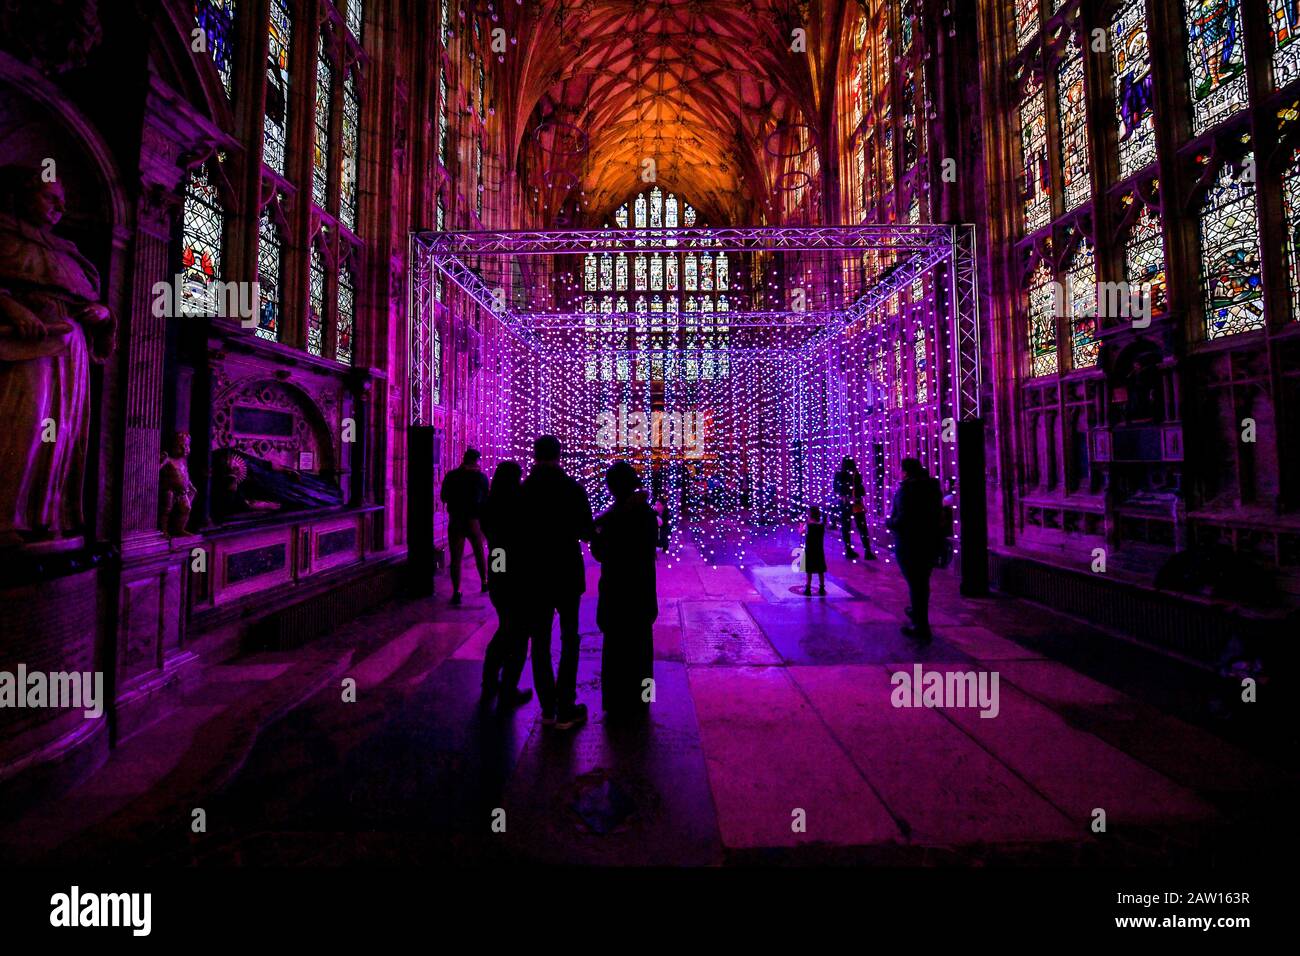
(917, 250)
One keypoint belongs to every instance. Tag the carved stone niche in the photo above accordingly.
(277, 422)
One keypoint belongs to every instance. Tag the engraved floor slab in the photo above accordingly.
(723, 633)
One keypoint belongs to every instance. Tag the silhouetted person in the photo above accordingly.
(917, 523)
(662, 516)
(503, 524)
(463, 492)
(814, 551)
(558, 517)
(624, 543)
(853, 510)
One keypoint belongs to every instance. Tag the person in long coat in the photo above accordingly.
(558, 519)
(624, 543)
(502, 521)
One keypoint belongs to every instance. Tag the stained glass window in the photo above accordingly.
(269, 250)
(1144, 257)
(1027, 22)
(670, 212)
(216, 18)
(442, 114)
(1286, 51)
(657, 272)
(350, 145)
(921, 365)
(639, 211)
(689, 216)
(275, 122)
(1072, 119)
(706, 272)
(722, 272)
(1131, 62)
(670, 282)
(203, 221)
(1081, 304)
(356, 16)
(606, 272)
(692, 280)
(1042, 321)
(620, 271)
(639, 271)
(620, 217)
(436, 366)
(1230, 256)
(589, 272)
(478, 177)
(345, 321)
(1291, 211)
(316, 310)
(1216, 57)
(1033, 141)
(324, 117)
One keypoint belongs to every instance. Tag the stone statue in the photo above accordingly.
(176, 491)
(52, 326)
(244, 484)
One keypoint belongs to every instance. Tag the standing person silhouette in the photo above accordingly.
(503, 522)
(851, 491)
(558, 518)
(814, 551)
(917, 523)
(463, 492)
(625, 541)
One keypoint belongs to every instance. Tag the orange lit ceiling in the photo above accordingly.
(697, 86)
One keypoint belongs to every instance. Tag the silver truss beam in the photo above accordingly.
(964, 310)
(767, 319)
(895, 238)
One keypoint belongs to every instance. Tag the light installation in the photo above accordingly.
(876, 368)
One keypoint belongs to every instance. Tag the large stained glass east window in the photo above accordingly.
(269, 255)
(1072, 122)
(1286, 48)
(1131, 61)
(1230, 256)
(203, 221)
(1042, 321)
(1216, 59)
(216, 18)
(1033, 142)
(275, 120)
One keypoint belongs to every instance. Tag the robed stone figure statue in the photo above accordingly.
(52, 326)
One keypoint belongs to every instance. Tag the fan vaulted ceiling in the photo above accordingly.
(696, 86)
